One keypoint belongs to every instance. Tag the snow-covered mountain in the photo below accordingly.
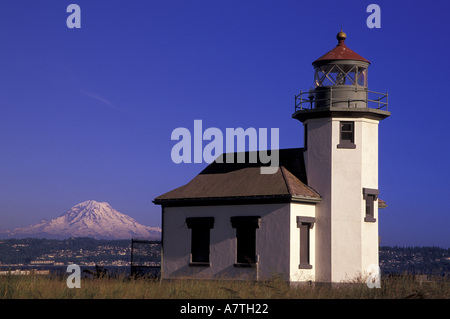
(88, 219)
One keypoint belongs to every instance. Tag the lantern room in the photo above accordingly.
(341, 66)
(340, 81)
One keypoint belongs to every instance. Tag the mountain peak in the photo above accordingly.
(89, 219)
(93, 204)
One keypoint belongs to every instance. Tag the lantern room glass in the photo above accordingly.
(340, 74)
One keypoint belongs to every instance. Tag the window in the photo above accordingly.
(370, 196)
(305, 224)
(361, 76)
(200, 239)
(340, 74)
(305, 137)
(246, 240)
(347, 135)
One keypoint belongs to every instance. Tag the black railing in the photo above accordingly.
(374, 100)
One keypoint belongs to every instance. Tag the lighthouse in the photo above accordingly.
(315, 219)
(340, 117)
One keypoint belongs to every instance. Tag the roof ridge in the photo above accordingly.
(286, 182)
(244, 180)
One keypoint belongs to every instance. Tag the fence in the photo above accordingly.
(145, 257)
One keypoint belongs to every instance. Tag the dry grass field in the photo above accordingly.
(53, 287)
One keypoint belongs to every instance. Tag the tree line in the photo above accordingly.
(417, 260)
(23, 251)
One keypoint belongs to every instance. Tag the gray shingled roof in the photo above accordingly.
(244, 182)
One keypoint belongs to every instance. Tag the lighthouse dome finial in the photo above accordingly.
(341, 36)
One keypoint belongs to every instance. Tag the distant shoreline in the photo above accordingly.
(115, 255)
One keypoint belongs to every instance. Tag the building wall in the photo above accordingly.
(369, 179)
(318, 169)
(296, 274)
(272, 242)
(346, 208)
(345, 243)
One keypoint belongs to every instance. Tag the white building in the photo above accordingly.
(316, 219)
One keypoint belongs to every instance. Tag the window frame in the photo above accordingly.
(305, 224)
(346, 143)
(200, 233)
(246, 231)
(370, 195)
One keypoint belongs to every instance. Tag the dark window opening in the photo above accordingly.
(200, 245)
(370, 196)
(305, 137)
(347, 135)
(305, 224)
(304, 244)
(245, 239)
(369, 205)
(200, 239)
(246, 245)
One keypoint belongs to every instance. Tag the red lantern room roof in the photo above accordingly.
(341, 52)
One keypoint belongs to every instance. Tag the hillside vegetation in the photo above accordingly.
(89, 251)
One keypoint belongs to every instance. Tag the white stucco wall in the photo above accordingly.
(369, 179)
(318, 168)
(272, 242)
(296, 274)
(346, 206)
(345, 244)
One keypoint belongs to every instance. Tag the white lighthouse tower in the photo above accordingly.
(340, 117)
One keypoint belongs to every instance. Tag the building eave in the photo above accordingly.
(238, 200)
(370, 113)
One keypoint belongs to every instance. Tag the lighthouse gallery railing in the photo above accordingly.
(375, 100)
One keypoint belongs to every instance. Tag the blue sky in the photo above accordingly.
(88, 113)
